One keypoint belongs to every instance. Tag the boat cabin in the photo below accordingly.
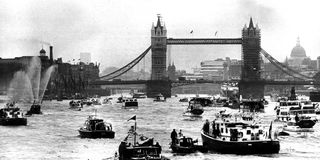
(288, 109)
(235, 131)
(129, 102)
(93, 124)
(205, 102)
(10, 112)
(159, 98)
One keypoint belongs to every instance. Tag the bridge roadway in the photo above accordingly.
(200, 41)
(188, 82)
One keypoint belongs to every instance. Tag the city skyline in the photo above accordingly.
(116, 32)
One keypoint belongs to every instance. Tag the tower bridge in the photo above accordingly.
(250, 85)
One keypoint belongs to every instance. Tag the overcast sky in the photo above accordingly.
(117, 31)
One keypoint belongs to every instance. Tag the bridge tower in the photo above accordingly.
(251, 85)
(159, 51)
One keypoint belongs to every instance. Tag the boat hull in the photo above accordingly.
(240, 147)
(180, 149)
(13, 121)
(34, 109)
(298, 129)
(133, 104)
(96, 134)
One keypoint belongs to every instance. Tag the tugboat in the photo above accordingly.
(186, 145)
(194, 109)
(146, 149)
(129, 103)
(96, 128)
(224, 136)
(11, 116)
(35, 108)
(159, 98)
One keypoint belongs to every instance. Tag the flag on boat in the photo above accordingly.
(132, 118)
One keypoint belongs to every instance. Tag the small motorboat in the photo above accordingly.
(293, 127)
(75, 105)
(139, 147)
(204, 101)
(95, 101)
(12, 116)
(96, 128)
(184, 99)
(159, 98)
(300, 124)
(87, 102)
(129, 103)
(107, 101)
(194, 109)
(187, 145)
(120, 99)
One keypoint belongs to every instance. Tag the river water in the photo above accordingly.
(54, 135)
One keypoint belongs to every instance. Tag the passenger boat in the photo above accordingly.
(131, 149)
(129, 103)
(187, 145)
(194, 109)
(159, 98)
(96, 128)
(287, 110)
(224, 136)
(12, 116)
(139, 95)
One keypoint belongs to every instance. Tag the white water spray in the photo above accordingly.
(30, 85)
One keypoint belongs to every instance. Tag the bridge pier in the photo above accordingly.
(155, 87)
(251, 89)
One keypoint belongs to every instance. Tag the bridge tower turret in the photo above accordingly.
(251, 85)
(251, 40)
(158, 50)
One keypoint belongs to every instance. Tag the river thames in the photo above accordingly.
(54, 135)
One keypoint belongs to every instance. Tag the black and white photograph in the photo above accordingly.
(159, 80)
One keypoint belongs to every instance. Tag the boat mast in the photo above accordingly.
(135, 133)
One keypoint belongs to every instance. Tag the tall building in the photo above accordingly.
(85, 57)
(212, 69)
(158, 49)
(251, 40)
